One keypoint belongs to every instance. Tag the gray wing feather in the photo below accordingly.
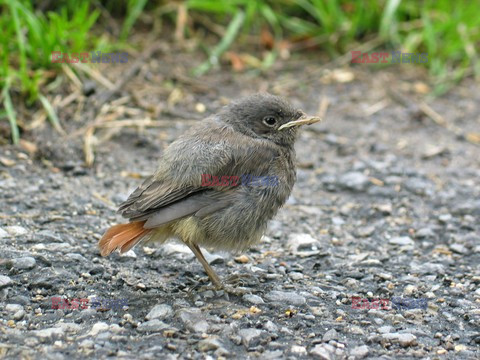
(199, 205)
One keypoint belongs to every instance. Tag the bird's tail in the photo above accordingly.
(122, 236)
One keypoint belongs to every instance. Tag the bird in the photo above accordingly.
(250, 137)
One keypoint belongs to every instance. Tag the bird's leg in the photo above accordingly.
(211, 274)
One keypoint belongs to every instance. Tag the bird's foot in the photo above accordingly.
(242, 280)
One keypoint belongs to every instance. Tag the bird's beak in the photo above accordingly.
(303, 120)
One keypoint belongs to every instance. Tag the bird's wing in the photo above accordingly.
(176, 190)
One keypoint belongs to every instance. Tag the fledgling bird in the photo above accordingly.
(253, 136)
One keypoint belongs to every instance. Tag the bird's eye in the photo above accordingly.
(269, 120)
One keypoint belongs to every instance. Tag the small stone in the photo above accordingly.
(154, 325)
(360, 352)
(49, 333)
(200, 107)
(295, 276)
(250, 337)
(286, 297)
(354, 181)
(16, 230)
(445, 218)
(3, 233)
(410, 289)
(24, 263)
(208, 344)
(69, 327)
(401, 241)
(330, 335)
(425, 233)
(270, 327)
(407, 339)
(87, 344)
(161, 311)
(459, 249)
(385, 329)
(299, 350)
(193, 320)
(323, 351)
(404, 339)
(98, 328)
(253, 299)
(418, 186)
(242, 259)
(272, 355)
(301, 242)
(213, 259)
(337, 221)
(4, 281)
(365, 231)
(13, 307)
(19, 315)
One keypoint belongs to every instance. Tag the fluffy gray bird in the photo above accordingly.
(254, 136)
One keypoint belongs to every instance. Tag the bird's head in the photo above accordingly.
(267, 116)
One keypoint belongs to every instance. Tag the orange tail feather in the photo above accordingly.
(122, 236)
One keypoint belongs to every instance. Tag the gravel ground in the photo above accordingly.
(386, 205)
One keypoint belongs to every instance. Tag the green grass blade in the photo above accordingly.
(224, 44)
(7, 102)
(52, 115)
(134, 10)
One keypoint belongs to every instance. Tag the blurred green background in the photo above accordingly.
(449, 31)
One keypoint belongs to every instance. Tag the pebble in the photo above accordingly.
(404, 339)
(365, 231)
(242, 259)
(253, 299)
(445, 218)
(401, 240)
(154, 325)
(3, 233)
(385, 329)
(13, 307)
(270, 327)
(213, 259)
(330, 335)
(301, 242)
(428, 268)
(98, 328)
(272, 355)
(299, 350)
(23, 263)
(295, 276)
(176, 250)
(87, 344)
(410, 289)
(418, 186)
(16, 230)
(286, 297)
(208, 344)
(354, 181)
(194, 320)
(4, 281)
(323, 351)
(161, 311)
(459, 249)
(69, 327)
(49, 333)
(250, 337)
(19, 315)
(360, 352)
(425, 233)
